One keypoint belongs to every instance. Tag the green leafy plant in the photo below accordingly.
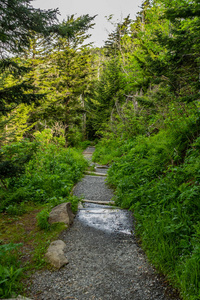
(42, 220)
(9, 270)
(51, 172)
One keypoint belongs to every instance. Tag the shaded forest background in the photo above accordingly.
(137, 98)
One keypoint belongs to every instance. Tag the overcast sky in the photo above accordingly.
(119, 8)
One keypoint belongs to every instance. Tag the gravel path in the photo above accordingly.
(105, 261)
(93, 188)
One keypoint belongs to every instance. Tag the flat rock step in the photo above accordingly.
(95, 173)
(87, 153)
(98, 202)
(101, 167)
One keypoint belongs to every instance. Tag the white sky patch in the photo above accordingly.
(119, 8)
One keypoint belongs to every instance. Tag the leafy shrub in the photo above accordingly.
(15, 209)
(9, 270)
(107, 150)
(13, 159)
(51, 172)
(42, 220)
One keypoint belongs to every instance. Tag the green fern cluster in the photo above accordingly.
(158, 178)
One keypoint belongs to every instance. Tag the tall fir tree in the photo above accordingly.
(19, 22)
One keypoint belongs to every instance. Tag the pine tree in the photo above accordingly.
(62, 70)
(19, 22)
(113, 43)
(182, 61)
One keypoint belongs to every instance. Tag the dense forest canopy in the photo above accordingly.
(139, 94)
(52, 74)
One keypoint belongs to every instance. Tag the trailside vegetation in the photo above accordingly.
(34, 176)
(44, 76)
(151, 133)
(41, 171)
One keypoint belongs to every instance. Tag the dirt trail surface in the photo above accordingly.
(105, 261)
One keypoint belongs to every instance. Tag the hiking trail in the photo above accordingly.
(105, 261)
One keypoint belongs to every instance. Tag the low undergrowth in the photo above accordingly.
(35, 177)
(47, 177)
(158, 178)
(9, 268)
(22, 248)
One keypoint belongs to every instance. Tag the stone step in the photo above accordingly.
(87, 153)
(98, 202)
(95, 173)
(101, 167)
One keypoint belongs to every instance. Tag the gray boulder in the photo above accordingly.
(61, 213)
(55, 254)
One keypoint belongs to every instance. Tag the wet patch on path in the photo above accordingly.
(106, 218)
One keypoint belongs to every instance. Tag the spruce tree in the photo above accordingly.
(182, 60)
(62, 70)
(19, 22)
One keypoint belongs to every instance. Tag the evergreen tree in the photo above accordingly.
(61, 69)
(108, 93)
(184, 48)
(19, 22)
(113, 43)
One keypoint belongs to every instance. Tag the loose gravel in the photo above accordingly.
(101, 266)
(93, 188)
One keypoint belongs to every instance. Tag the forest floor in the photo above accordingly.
(105, 260)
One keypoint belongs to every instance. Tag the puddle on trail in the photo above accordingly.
(106, 218)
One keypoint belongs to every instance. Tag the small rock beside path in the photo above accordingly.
(61, 213)
(55, 254)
